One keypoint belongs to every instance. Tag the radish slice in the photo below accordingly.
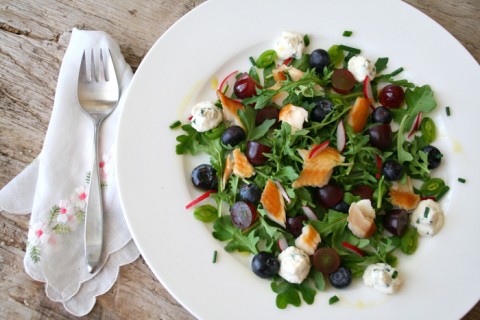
(282, 243)
(190, 118)
(282, 190)
(200, 199)
(341, 136)
(322, 146)
(222, 84)
(288, 61)
(379, 166)
(428, 198)
(367, 90)
(309, 213)
(416, 124)
(353, 248)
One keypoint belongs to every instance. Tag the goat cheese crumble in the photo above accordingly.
(206, 116)
(289, 44)
(427, 218)
(382, 277)
(294, 265)
(361, 67)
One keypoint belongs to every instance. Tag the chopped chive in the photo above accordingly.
(394, 274)
(425, 213)
(306, 40)
(442, 193)
(214, 260)
(395, 72)
(350, 49)
(447, 109)
(333, 300)
(347, 33)
(176, 124)
(461, 180)
(252, 61)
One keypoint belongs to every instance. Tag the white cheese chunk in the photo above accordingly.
(427, 218)
(294, 265)
(206, 116)
(361, 67)
(290, 44)
(382, 277)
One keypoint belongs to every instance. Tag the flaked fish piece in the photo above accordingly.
(402, 195)
(227, 172)
(241, 166)
(360, 219)
(230, 110)
(317, 169)
(273, 203)
(308, 240)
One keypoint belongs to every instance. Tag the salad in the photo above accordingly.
(320, 167)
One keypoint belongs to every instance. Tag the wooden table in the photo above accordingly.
(33, 38)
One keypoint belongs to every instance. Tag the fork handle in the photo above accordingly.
(94, 211)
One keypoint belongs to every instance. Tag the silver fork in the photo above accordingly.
(98, 94)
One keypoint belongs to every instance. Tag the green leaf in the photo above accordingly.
(318, 279)
(308, 293)
(381, 64)
(61, 228)
(402, 154)
(266, 58)
(224, 230)
(418, 100)
(289, 296)
(409, 241)
(35, 253)
(335, 222)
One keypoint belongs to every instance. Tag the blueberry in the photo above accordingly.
(205, 177)
(319, 59)
(434, 156)
(251, 193)
(342, 206)
(382, 115)
(341, 278)
(322, 108)
(265, 265)
(392, 170)
(233, 135)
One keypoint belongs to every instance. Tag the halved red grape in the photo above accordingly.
(396, 221)
(391, 96)
(381, 136)
(295, 224)
(326, 260)
(343, 81)
(269, 112)
(363, 191)
(245, 86)
(329, 195)
(243, 214)
(255, 151)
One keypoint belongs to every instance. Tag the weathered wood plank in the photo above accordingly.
(33, 39)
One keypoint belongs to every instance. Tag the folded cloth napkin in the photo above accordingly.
(54, 188)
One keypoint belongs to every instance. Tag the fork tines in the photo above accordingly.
(95, 66)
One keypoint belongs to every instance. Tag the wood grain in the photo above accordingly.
(33, 39)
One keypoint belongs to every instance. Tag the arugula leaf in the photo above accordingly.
(381, 64)
(224, 230)
(188, 143)
(402, 154)
(247, 116)
(286, 294)
(335, 222)
(418, 100)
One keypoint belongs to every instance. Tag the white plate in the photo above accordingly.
(441, 280)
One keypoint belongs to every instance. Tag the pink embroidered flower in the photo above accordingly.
(65, 211)
(79, 197)
(38, 234)
(106, 166)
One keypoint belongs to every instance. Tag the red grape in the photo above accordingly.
(243, 214)
(391, 96)
(245, 87)
(255, 151)
(343, 81)
(328, 196)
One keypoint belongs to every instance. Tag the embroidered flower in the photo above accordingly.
(106, 167)
(38, 233)
(65, 211)
(79, 197)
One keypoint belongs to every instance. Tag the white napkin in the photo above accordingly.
(53, 188)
